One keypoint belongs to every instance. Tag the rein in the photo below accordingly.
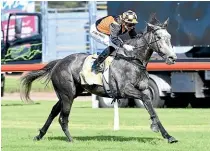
(136, 61)
(132, 60)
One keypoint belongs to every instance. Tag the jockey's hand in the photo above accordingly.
(128, 47)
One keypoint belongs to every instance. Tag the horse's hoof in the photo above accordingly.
(37, 138)
(172, 140)
(70, 141)
(155, 128)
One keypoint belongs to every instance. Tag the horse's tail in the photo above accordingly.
(26, 80)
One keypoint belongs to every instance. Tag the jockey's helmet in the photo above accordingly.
(129, 17)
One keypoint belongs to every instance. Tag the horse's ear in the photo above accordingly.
(165, 24)
(150, 27)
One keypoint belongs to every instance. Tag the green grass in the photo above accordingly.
(12, 85)
(92, 129)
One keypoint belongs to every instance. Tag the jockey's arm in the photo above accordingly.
(132, 33)
(114, 34)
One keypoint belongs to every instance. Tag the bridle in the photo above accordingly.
(149, 44)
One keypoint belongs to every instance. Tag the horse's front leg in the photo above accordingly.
(144, 95)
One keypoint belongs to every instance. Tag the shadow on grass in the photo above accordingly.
(109, 138)
(20, 104)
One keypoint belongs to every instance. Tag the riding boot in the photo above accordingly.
(97, 64)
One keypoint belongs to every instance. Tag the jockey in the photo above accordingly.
(107, 30)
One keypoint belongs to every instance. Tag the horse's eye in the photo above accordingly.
(158, 37)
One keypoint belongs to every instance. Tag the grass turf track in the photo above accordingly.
(92, 129)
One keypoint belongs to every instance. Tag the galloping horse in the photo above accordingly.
(128, 77)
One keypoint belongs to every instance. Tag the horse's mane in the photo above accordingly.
(152, 20)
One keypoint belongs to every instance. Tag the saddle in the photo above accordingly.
(89, 77)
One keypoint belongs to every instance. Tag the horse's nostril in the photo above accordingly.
(172, 58)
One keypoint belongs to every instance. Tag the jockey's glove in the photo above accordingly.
(128, 47)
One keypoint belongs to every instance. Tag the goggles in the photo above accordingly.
(130, 24)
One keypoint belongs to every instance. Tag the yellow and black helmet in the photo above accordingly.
(129, 17)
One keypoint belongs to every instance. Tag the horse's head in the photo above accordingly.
(160, 41)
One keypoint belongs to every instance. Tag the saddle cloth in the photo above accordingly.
(89, 77)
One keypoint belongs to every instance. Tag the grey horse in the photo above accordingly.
(128, 77)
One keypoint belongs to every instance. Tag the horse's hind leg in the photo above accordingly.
(64, 115)
(67, 101)
(54, 112)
